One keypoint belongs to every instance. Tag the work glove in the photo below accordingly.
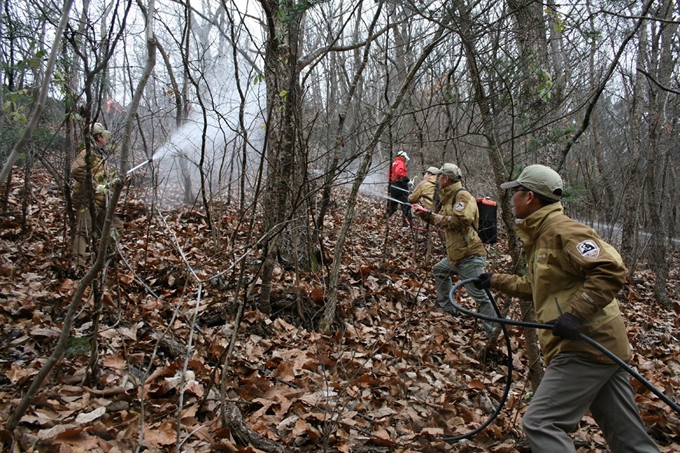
(483, 280)
(566, 326)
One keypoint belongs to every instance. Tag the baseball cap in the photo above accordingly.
(451, 171)
(540, 179)
(99, 129)
(403, 153)
(432, 170)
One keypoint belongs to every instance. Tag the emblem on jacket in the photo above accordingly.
(588, 249)
(459, 206)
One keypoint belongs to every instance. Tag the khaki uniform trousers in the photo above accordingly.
(571, 386)
(81, 241)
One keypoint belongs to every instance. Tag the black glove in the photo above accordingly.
(566, 326)
(483, 280)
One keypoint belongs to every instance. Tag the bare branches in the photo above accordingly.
(45, 86)
(596, 95)
(656, 82)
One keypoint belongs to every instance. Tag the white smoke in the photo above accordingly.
(214, 137)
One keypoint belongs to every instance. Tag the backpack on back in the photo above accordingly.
(488, 218)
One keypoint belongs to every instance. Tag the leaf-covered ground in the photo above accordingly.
(397, 375)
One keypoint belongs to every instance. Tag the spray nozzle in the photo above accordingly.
(139, 166)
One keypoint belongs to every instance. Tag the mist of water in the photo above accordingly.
(211, 140)
(375, 185)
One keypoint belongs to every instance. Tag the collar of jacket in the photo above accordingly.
(529, 228)
(95, 149)
(448, 190)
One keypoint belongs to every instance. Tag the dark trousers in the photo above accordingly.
(399, 191)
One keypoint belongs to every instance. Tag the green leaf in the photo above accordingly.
(258, 78)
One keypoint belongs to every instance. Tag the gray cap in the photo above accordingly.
(540, 179)
(404, 155)
(451, 171)
(433, 170)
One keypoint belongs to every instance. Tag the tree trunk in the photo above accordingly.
(660, 133)
(632, 193)
(284, 113)
(483, 103)
(532, 350)
(536, 96)
(602, 177)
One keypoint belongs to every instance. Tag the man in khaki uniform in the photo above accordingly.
(458, 216)
(424, 192)
(573, 278)
(97, 190)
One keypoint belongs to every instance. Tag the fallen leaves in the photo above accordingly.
(398, 374)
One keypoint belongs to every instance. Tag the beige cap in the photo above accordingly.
(451, 171)
(433, 170)
(540, 179)
(99, 129)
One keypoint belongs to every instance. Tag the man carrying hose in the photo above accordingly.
(424, 193)
(573, 277)
(456, 213)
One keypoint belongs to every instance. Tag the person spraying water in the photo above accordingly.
(398, 179)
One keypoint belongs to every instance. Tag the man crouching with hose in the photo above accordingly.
(573, 278)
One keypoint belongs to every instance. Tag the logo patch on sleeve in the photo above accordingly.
(459, 206)
(588, 249)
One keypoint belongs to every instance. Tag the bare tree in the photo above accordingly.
(660, 62)
(58, 352)
(331, 305)
(44, 90)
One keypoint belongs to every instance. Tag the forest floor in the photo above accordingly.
(398, 373)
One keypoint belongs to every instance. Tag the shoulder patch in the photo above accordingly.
(459, 206)
(588, 249)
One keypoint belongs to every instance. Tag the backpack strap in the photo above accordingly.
(438, 202)
(453, 202)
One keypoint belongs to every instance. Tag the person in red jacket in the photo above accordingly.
(398, 182)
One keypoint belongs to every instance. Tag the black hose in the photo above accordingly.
(508, 379)
(587, 339)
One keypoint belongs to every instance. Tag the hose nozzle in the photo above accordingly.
(139, 166)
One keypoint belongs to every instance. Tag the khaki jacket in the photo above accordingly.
(424, 192)
(570, 265)
(460, 220)
(102, 176)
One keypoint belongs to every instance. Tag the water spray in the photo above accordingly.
(392, 199)
(139, 166)
(400, 188)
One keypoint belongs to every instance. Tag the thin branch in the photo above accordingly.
(656, 82)
(603, 84)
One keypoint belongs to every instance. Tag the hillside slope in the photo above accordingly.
(397, 375)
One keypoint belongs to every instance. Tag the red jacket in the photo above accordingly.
(398, 169)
